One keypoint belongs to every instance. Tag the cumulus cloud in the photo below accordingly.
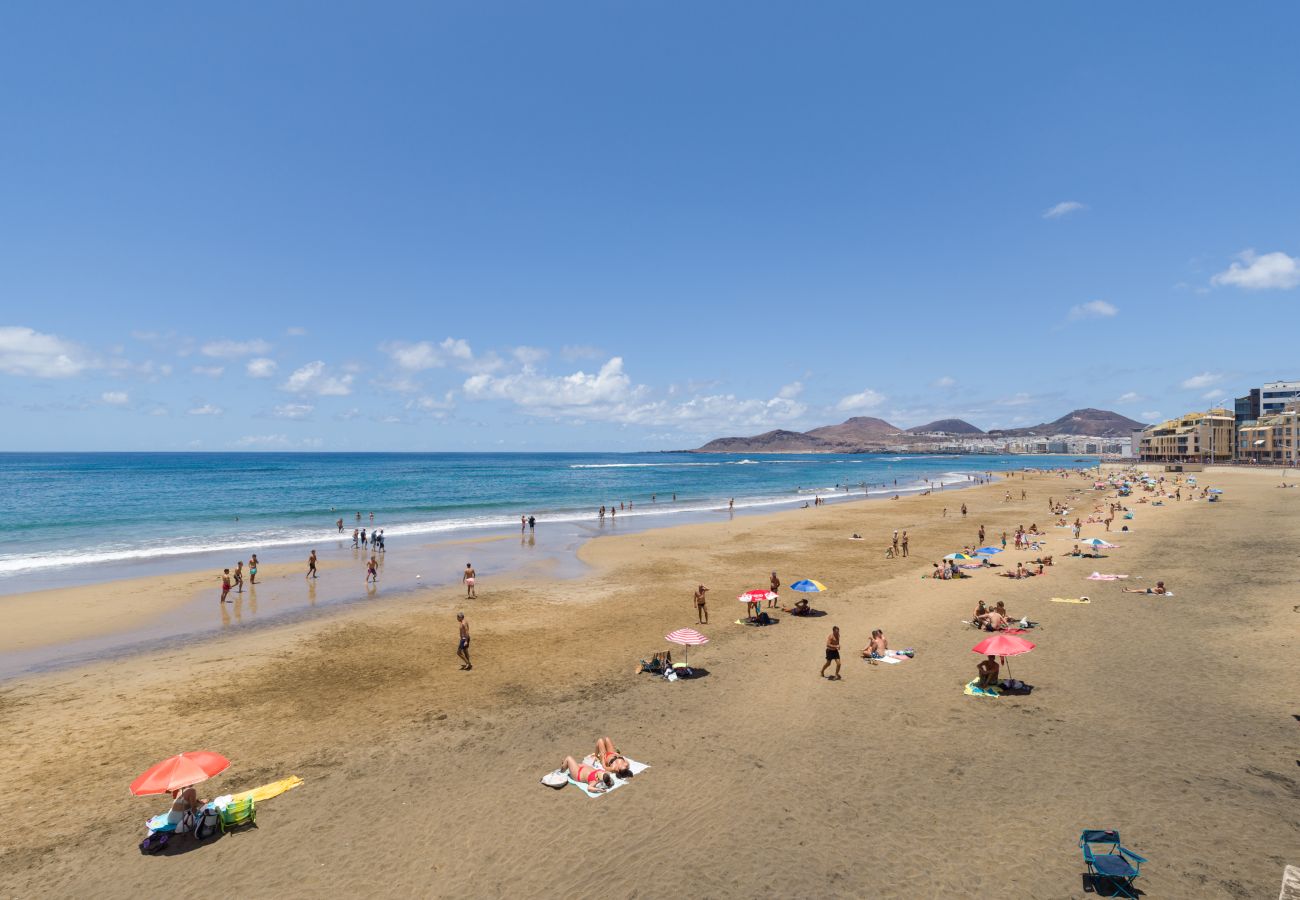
(235, 349)
(24, 351)
(1094, 309)
(293, 410)
(207, 409)
(790, 391)
(1129, 397)
(944, 381)
(1204, 380)
(1063, 208)
(115, 398)
(433, 404)
(1254, 272)
(610, 395)
(313, 379)
(424, 355)
(262, 367)
(530, 356)
(210, 371)
(859, 402)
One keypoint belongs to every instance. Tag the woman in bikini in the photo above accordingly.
(599, 777)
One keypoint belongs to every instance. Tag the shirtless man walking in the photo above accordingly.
(462, 648)
(311, 566)
(469, 578)
(833, 653)
(775, 589)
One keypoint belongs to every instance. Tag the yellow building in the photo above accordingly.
(1272, 440)
(1201, 437)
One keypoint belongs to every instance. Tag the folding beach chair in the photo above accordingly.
(238, 812)
(1115, 863)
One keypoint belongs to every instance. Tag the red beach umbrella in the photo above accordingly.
(756, 596)
(180, 771)
(1003, 645)
(687, 637)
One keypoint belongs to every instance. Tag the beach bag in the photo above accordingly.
(208, 823)
(155, 843)
(764, 619)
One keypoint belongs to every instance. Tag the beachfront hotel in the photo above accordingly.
(1199, 437)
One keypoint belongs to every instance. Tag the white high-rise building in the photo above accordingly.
(1274, 396)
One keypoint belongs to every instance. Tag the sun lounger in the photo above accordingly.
(1115, 863)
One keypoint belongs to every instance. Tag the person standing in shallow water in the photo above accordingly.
(470, 577)
(311, 565)
(252, 569)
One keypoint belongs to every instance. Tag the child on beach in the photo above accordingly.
(252, 569)
(372, 570)
(225, 585)
(239, 576)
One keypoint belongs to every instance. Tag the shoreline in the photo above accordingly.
(170, 609)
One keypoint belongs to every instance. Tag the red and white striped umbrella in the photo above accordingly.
(687, 637)
(756, 596)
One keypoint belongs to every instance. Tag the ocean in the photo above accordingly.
(77, 517)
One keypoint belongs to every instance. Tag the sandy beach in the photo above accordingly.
(1171, 719)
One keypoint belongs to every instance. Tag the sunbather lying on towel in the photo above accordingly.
(595, 778)
(1158, 589)
(800, 608)
(609, 764)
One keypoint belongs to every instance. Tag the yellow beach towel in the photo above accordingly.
(1069, 599)
(267, 791)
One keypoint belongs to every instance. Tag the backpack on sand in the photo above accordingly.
(207, 824)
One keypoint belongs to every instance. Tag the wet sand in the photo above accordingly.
(1157, 716)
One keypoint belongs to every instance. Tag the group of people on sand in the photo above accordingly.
(995, 619)
(235, 579)
(605, 765)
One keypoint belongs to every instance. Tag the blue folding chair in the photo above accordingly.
(1111, 862)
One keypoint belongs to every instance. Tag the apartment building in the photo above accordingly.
(1195, 437)
(1272, 439)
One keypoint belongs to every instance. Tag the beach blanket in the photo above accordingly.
(973, 690)
(635, 767)
(1097, 576)
(891, 657)
(1069, 599)
(267, 791)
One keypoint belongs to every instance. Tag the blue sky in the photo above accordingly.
(634, 226)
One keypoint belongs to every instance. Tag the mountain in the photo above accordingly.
(946, 426)
(1085, 422)
(777, 441)
(857, 430)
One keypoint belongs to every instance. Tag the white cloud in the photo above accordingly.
(433, 404)
(312, 379)
(235, 349)
(609, 395)
(293, 410)
(425, 355)
(115, 398)
(575, 352)
(24, 351)
(348, 415)
(262, 367)
(210, 371)
(268, 441)
(865, 400)
(1063, 209)
(1129, 397)
(295, 331)
(530, 356)
(790, 391)
(206, 409)
(1214, 394)
(1093, 309)
(944, 381)
(1152, 415)
(1020, 399)
(1204, 380)
(1257, 273)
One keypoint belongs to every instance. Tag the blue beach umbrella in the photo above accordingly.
(808, 586)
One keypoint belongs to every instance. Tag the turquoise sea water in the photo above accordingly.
(78, 510)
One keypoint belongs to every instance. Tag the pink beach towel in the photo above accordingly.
(1097, 576)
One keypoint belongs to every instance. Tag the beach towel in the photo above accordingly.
(635, 767)
(1097, 576)
(1069, 599)
(891, 658)
(974, 690)
(266, 791)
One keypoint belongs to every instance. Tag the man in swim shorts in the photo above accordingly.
(833, 652)
(462, 649)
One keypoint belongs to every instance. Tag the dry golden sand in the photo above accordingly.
(1168, 718)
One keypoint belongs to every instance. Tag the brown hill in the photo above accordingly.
(777, 441)
(945, 426)
(1088, 422)
(857, 430)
